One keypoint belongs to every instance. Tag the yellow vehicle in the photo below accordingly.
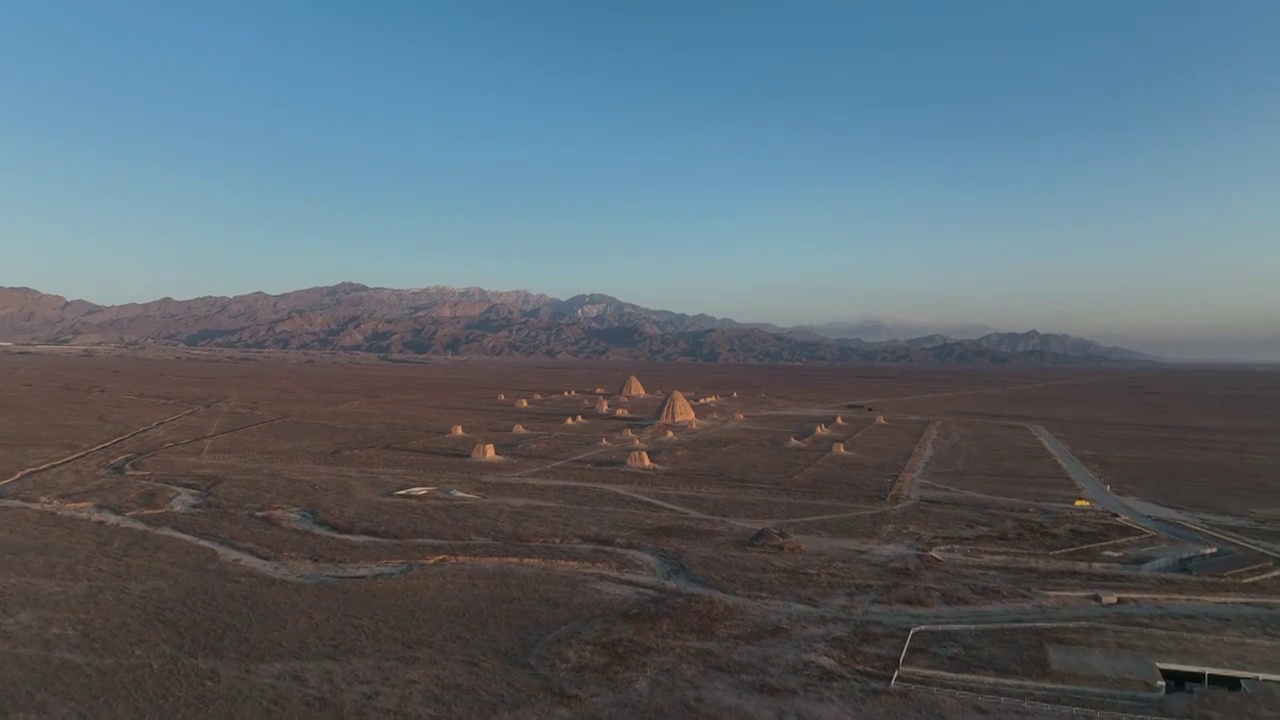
(1082, 503)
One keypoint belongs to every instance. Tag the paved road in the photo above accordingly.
(1100, 495)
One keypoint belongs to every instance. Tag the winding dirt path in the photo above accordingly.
(664, 568)
(101, 446)
(294, 572)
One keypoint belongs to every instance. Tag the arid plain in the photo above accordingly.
(220, 534)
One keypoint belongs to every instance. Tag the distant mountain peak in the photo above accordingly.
(476, 321)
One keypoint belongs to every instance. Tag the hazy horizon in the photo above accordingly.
(1098, 169)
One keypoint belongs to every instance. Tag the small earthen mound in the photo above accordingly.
(599, 389)
(768, 537)
(621, 412)
(639, 459)
(735, 394)
(456, 430)
(669, 434)
(635, 442)
(568, 421)
(739, 416)
(518, 428)
(484, 451)
(880, 420)
(502, 396)
(605, 441)
(537, 396)
(631, 387)
(577, 420)
(692, 424)
(821, 429)
(838, 421)
(602, 406)
(794, 443)
(837, 449)
(522, 403)
(627, 433)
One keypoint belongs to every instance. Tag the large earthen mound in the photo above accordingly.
(675, 410)
(484, 451)
(631, 387)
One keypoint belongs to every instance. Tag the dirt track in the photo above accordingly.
(102, 446)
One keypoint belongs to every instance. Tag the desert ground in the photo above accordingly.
(225, 535)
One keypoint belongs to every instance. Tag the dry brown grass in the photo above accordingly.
(998, 460)
(540, 611)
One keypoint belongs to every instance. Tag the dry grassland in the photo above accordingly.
(1000, 461)
(250, 558)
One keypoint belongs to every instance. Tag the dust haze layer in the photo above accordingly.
(486, 323)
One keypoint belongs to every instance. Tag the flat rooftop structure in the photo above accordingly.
(1233, 565)
(1088, 656)
(1149, 551)
(1224, 672)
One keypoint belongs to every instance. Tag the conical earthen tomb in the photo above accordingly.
(675, 410)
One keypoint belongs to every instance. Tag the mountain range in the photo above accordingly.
(478, 322)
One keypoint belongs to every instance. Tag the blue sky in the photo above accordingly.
(1094, 167)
